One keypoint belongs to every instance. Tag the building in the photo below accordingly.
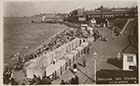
(77, 16)
(108, 13)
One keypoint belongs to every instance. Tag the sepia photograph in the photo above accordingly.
(70, 42)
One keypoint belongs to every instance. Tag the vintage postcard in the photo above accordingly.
(70, 42)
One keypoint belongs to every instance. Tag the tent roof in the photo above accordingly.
(53, 67)
(80, 48)
(69, 55)
(74, 51)
(85, 44)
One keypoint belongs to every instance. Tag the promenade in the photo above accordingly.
(105, 50)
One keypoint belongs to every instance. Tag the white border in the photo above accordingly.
(1, 38)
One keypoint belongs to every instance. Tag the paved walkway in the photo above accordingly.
(105, 50)
(110, 48)
(85, 74)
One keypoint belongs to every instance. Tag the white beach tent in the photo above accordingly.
(50, 70)
(60, 67)
(83, 40)
(29, 70)
(75, 54)
(72, 44)
(85, 47)
(70, 56)
(68, 46)
(34, 69)
(80, 50)
(62, 51)
(77, 42)
(39, 70)
(45, 60)
(37, 65)
(86, 44)
(57, 53)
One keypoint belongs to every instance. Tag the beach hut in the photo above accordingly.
(67, 47)
(34, 69)
(61, 51)
(70, 56)
(70, 45)
(75, 54)
(57, 53)
(64, 48)
(60, 67)
(74, 43)
(49, 71)
(45, 60)
(82, 40)
(56, 70)
(29, 70)
(77, 42)
(85, 47)
(80, 50)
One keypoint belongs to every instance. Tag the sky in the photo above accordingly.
(29, 8)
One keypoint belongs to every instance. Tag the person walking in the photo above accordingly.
(75, 68)
(77, 79)
(74, 79)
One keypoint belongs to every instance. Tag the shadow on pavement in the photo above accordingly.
(80, 64)
(115, 62)
(86, 75)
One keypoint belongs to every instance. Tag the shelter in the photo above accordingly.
(129, 61)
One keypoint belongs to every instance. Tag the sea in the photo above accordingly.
(23, 37)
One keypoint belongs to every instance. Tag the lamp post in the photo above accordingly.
(94, 61)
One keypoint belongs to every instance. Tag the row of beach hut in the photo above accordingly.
(53, 64)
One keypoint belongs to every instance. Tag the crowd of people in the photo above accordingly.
(74, 80)
(55, 42)
(8, 77)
